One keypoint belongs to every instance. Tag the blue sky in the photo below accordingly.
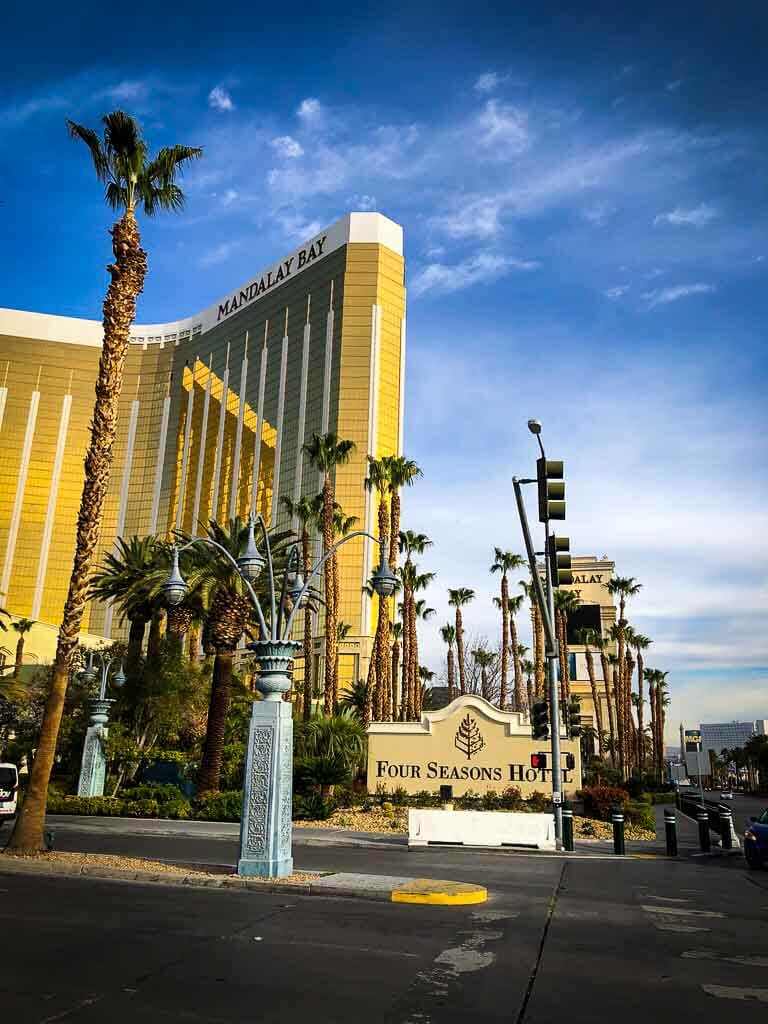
(583, 193)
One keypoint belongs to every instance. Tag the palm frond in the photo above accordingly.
(93, 142)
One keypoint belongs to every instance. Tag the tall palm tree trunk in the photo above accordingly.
(460, 652)
(595, 700)
(609, 705)
(517, 667)
(451, 676)
(394, 673)
(19, 657)
(210, 765)
(640, 717)
(119, 310)
(382, 631)
(306, 568)
(538, 649)
(504, 640)
(329, 685)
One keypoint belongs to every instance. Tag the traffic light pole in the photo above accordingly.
(546, 607)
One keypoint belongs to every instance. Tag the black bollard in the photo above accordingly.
(617, 819)
(49, 839)
(726, 826)
(702, 816)
(568, 830)
(670, 831)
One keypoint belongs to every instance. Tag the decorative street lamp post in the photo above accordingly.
(266, 817)
(94, 763)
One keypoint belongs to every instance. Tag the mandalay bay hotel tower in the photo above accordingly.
(214, 411)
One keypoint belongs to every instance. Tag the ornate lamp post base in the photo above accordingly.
(94, 763)
(266, 823)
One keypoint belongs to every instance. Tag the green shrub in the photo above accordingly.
(662, 798)
(538, 802)
(311, 807)
(424, 799)
(511, 799)
(171, 802)
(637, 812)
(598, 801)
(141, 809)
(224, 806)
(104, 805)
(491, 801)
(470, 801)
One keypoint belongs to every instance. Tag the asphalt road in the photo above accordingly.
(582, 940)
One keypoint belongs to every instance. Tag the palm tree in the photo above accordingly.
(448, 633)
(640, 643)
(419, 611)
(378, 479)
(326, 452)
(342, 525)
(397, 633)
(305, 511)
(123, 580)
(515, 604)
(410, 543)
(457, 599)
(402, 472)
(537, 632)
(528, 668)
(602, 646)
(21, 626)
(132, 180)
(505, 562)
(589, 637)
(484, 660)
(625, 587)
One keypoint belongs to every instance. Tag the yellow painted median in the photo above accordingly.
(440, 892)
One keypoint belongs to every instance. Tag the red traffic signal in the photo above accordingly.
(538, 761)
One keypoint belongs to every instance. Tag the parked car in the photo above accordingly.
(756, 841)
(9, 788)
(726, 795)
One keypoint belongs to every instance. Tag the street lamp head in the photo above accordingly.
(384, 581)
(534, 426)
(251, 561)
(175, 587)
(119, 678)
(295, 585)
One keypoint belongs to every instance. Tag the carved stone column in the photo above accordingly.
(93, 765)
(266, 821)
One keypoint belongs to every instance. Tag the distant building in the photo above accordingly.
(727, 735)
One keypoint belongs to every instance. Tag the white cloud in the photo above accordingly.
(296, 226)
(663, 296)
(219, 254)
(473, 218)
(697, 217)
(130, 89)
(287, 147)
(483, 267)
(230, 196)
(503, 126)
(617, 292)
(674, 86)
(363, 203)
(219, 99)
(487, 82)
(599, 213)
(310, 109)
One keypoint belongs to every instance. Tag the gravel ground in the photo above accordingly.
(396, 820)
(78, 860)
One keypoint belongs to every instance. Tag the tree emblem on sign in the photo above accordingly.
(468, 737)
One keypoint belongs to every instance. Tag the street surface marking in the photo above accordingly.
(667, 899)
(747, 960)
(679, 912)
(758, 995)
(494, 915)
(667, 927)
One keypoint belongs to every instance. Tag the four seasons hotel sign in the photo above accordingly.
(469, 745)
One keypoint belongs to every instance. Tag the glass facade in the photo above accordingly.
(213, 414)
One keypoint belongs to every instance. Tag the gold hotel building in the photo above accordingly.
(214, 411)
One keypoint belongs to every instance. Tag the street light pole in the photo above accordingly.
(93, 764)
(266, 818)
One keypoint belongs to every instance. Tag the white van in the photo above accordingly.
(9, 790)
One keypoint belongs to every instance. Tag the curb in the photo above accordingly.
(370, 887)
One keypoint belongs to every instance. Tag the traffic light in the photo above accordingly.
(574, 718)
(549, 476)
(558, 553)
(538, 761)
(540, 720)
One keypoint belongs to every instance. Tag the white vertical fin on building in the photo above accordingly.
(401, 395)
(185, 449)
(3, 400)
(259, 422)
(302, 410)
(239, 434)
(21, 483)
(122, 510)
(160, 461)
(327, 368)
(220, 441)
(373, 420)
(201, 453)
(279, 425)
(45, 542)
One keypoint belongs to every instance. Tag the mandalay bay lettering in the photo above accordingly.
(273, 277)
(473, 773)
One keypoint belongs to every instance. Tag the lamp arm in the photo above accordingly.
(251, 591)
(294, 552)
(319, 566)
(273, 623)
